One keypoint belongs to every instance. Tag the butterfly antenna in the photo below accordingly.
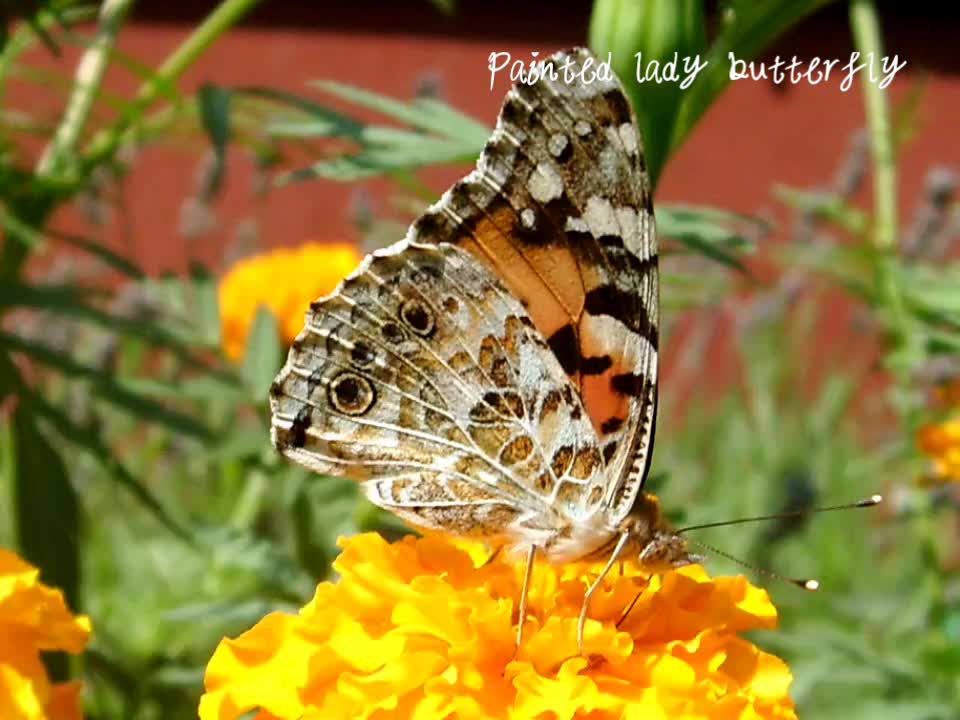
(805, 584)
(866, 502)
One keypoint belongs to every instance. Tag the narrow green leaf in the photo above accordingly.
(706, 231)
(447, 7)
(69, 300)
(264, 354)
(932, 289)
(47, 514)
(204, 388)
(214, 105)
(106, 386)
(339, 125)
(97, 250)
(429, 115)
(400, 154)
(20, 231)
(206, 303)
(89, 439)
(455, 124)
(311, 547)
(747, 27)
(824, 206)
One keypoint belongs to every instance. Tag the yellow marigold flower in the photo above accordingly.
(34, 618)
(416, 630)
(285, 281)
(941, 443)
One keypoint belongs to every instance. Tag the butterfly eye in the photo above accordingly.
(417, 317)
(351, 394)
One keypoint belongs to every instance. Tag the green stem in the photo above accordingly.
(867, 39)
(105, 143)
(86, 85)
(218, 22)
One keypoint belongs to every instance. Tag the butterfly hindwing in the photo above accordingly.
(422, 376)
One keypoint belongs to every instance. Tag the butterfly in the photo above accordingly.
(493, 375)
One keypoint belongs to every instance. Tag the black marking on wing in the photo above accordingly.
(595, 365)
(629, 384)
(565, 346)
(611, 425)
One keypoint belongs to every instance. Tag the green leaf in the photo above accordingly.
(89, 438)
(402, 152)
(214, 106)
(707, 231)
(206, 303)
(100, 252)
(106, 386)
(662, 31)
(830, 207)
(338, 124)
(264, 354)
(69, 300)
(204, 388)
(932, 289)
(441, 135)
(447, 7)
(33, 237)
(45, 507)
(426, 114)
(312, 548)
(747, 27)
(20, 231)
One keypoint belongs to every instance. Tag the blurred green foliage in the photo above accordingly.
(135, 466)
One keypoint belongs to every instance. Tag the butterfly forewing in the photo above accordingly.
(560, 209)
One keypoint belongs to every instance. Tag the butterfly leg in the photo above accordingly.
(621, 544)
(629, 609)
(493, 556)
(527, 575)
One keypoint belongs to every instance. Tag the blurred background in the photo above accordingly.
(179, 180)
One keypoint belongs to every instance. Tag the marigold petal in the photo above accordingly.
(64, 702)
(264, 668)
(305, 273)
(35, 618)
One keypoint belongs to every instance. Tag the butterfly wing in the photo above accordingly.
(424, 377)
(560, 209)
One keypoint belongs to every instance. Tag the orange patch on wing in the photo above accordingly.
(546, 279)
(599, 399)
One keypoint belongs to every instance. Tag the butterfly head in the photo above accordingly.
(661, 548)
(665, 551)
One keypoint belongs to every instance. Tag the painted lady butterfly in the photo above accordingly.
(494, 374)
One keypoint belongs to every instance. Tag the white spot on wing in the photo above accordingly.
(600, 217)
(528, 218)
(628, 135)
(557, 144)
(545, 183)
